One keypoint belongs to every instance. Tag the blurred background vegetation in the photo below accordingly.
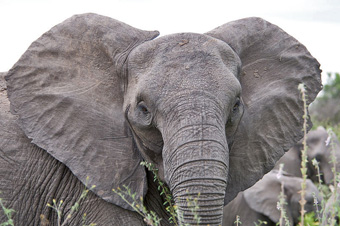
(325, 110)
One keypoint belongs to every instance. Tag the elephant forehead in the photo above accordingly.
(185, 61)
(182, 51)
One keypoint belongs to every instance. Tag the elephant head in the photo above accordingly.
(330, 208)
(259, 202)
(213, 111)
(319, 147)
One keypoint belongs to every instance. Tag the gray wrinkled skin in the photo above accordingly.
(327, 214)
(320, 145)
(259, 202)
(93, 97)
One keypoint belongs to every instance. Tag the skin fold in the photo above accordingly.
(93, 97)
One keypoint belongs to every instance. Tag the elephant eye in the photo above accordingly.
(237, 105)
(143, 113)
(143, 108)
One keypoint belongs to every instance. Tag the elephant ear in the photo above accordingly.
(273, 65)
(68, 89)
(264, 196)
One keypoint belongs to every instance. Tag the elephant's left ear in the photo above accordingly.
(273, 66)
(68, 90)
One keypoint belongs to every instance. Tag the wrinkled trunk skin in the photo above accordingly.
(196, 157)
(206, 193)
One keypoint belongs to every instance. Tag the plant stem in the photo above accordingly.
(303, 154)
(164, 190)
(334, 170)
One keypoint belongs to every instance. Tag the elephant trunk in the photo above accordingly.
(200, 201)
(197, 169)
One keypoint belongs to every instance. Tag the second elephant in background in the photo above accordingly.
(260, 201)
(320, 146)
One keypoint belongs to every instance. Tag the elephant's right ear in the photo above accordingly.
(68, 91)
(273, 65)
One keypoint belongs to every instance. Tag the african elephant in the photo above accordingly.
(318, 148)
(94, 97)
(259, 202)
(331, 210)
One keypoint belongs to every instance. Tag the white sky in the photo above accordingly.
(315, 23)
